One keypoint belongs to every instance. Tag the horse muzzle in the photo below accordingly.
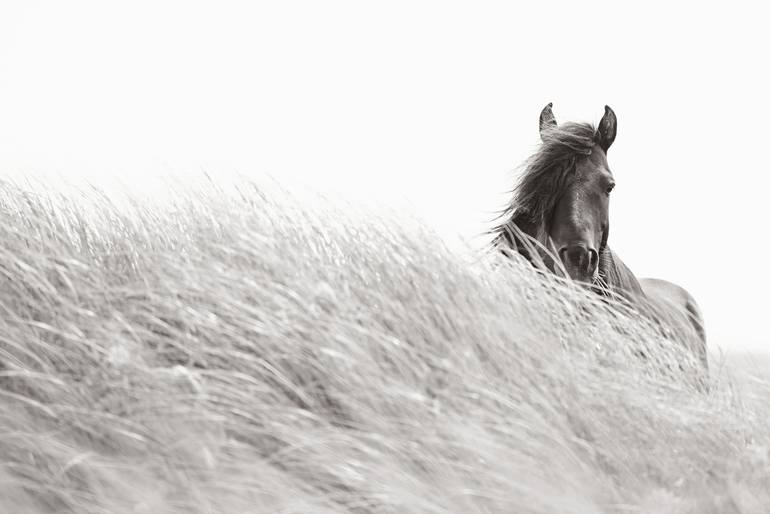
(580, 262)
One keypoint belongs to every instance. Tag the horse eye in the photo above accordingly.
(610, 188)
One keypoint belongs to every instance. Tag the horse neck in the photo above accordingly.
(618, 277)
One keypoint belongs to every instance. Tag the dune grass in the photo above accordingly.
(234, 350)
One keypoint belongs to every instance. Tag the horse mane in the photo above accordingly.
(615, 278)
(544, 176)
(524, 222)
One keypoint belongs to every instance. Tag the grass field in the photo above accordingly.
(232, 350)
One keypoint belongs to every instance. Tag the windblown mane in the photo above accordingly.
(544, 176)
(524, 223)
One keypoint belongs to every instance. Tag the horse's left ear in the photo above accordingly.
(608, 127)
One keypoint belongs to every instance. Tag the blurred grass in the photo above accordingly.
(239, 349)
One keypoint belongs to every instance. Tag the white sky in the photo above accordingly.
(435, 104)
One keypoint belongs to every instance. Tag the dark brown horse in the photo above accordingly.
(558, 219)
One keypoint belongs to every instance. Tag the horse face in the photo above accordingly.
(580, 221)
(579, 224)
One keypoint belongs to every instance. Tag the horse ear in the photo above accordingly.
(608, 127)
(547, 119)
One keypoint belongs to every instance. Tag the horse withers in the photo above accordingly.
(558, 219)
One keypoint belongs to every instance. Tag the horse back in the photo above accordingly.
(678, 307)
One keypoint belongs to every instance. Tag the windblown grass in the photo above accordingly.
(233, 351)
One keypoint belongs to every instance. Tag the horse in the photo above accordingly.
(558, 220)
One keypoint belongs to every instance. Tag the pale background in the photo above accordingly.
(430, 104)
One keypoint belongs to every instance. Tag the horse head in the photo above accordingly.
(578, 227)
(559, 216)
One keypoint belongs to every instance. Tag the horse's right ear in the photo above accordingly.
(547, 120)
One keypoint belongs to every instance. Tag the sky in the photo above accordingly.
(433, 105)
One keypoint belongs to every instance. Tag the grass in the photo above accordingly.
(233, 350)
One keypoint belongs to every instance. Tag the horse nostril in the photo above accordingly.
(593, 260)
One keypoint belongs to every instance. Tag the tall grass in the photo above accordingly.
(232, 350)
